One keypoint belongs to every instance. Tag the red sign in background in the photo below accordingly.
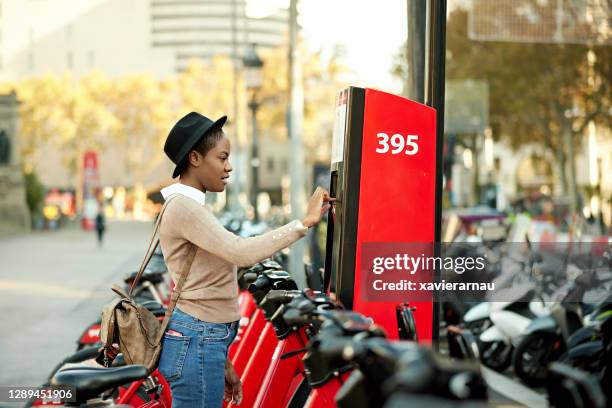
(91, 186)
(397, 192)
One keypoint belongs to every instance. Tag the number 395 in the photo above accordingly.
(398, 143)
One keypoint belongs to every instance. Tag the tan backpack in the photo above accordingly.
(132, 329)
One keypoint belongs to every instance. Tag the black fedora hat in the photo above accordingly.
(184, 136)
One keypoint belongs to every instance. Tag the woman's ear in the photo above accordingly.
(194, 158)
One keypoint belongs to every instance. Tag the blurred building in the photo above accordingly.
(205, 28)
(273, 166)
(14, 213)
(57, 36)
(120, 37)
(532, 171)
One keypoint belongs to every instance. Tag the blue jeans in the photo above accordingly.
(194, 361)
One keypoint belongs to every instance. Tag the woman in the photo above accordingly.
(204, 323)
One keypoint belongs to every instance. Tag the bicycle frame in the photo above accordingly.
(247, 310)
(284, 375)
(324, 395)
(247, 343)
(259, 361)
(155, 380)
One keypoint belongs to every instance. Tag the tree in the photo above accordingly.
(322, 79)
(142, 110)
(133, 113)
(539, 93)
(63, 113)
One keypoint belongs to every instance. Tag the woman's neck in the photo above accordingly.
(192, 182)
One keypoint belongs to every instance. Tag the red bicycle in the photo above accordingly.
(120, 385)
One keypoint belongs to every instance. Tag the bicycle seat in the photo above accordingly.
(157, 264)
(119, 361)
(148, 276)
(90, 382)
(153, 306)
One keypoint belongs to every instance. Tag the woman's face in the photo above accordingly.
(212, 171)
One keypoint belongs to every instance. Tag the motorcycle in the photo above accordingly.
(545, 339)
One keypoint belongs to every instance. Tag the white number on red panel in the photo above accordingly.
(397, 144)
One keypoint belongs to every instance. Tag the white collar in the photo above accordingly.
(183, 189)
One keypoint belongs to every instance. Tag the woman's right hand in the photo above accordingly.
(316, 209)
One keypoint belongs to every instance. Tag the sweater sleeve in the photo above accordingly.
(198, 225)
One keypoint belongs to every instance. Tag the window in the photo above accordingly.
(5, 148)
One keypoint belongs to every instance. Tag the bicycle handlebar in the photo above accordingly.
(281, 296)
(260, 283)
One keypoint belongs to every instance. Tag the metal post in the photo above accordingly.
(600, 196)
(295, 113)
(415, 50)
(254, 158)
(233, 191)
(434, 96)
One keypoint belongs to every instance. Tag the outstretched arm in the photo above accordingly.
(200, 226)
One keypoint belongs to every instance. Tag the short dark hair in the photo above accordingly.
(206, 143)
(209, 140)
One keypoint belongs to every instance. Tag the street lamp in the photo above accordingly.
(253, 75)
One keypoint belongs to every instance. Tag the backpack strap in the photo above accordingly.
(107, 351)
(152, 246)
(176, 292)
(184, 271)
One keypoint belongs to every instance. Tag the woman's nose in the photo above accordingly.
(229, 167)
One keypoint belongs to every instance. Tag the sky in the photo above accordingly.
(371, 33)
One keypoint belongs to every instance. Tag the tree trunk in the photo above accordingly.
(559, 151)
(476, 171)
(571, 161)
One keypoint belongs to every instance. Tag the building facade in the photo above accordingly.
(206, 28)
(118, 37)
(14, 213)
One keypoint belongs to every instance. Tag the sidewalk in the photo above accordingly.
(52, 284)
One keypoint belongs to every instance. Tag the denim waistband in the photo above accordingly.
(179, 315)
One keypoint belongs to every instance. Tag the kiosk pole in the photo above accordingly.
(415, 50)
(435, 53)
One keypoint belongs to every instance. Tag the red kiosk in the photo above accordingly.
(383, 174)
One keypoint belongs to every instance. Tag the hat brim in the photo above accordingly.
(195, 138)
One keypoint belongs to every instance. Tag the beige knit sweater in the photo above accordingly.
(210, 292)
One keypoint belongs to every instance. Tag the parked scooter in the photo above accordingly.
(585, 346)
(520, 273)
(545, 339)
(571, 386)
(509, 318)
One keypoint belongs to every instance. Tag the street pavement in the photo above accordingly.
(52, 285)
